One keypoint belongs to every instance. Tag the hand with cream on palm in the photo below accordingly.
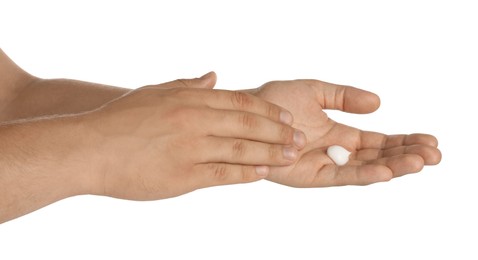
(375, 157)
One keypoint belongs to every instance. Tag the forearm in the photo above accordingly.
(43, 97)
(25, 96)
(42, 162)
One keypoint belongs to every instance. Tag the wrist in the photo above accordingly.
(83, 152)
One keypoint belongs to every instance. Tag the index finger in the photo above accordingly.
(235, 100)
(374, 140)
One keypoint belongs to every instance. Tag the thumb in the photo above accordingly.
(344, 98)
(207, 81)
(352, 100)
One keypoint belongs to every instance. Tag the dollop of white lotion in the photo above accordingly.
(338, 154)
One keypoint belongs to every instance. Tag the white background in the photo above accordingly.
(419, 56)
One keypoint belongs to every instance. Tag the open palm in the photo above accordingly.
(375, 157)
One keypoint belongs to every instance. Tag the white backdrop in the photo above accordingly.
(419, 56)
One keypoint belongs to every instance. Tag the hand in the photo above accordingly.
(163, 141)
(375, 157)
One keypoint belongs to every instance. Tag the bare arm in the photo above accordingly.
(25, 96)
(42, 162)
(152, 143)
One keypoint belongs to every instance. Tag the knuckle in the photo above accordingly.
(246, 175)
(183, 82)
(286, 134)
(273, 152)
(238, 149)
(241, 100)
(247, 121)
(272, 111)
(220, 172)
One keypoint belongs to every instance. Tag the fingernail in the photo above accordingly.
(285, 117)
(262, 170)
(290, 153)
(299, 139)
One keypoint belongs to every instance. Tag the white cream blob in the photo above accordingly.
(338, 154)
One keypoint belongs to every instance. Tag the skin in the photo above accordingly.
(151, 143)
(375, 157)
(91, 108)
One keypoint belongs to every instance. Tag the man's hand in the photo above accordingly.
(165, 140)
(375, 157)
(152, 143)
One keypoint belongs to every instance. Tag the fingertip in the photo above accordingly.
(360, 101)
(300, 139)
(429, 140)
(436, 159)
(371, 102)
(286, 117)
(375, 101)
(385, 174)
(209, 80)
(416, 163)
(207, 75)
(262, 171)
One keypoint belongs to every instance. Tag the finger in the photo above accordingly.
(214, 174)
(344, 98)
(207, 81)
(240, 151)
(381, 141)
(332, 175)
(245, 125)
(430, 155)
(401, 164)
(235, 100)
